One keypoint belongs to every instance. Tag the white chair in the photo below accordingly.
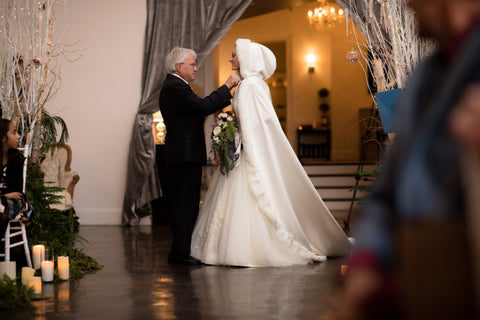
(16, 227)
(15, 230)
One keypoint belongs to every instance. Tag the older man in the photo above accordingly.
(412, 230)
(184, 115)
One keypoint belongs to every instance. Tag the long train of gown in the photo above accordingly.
(266, 212)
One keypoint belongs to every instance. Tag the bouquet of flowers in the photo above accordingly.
(225, 141)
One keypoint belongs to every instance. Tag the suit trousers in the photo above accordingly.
(187, 178)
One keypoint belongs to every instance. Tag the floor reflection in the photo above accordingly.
(57, 299)
(138, 283)
(254, 293)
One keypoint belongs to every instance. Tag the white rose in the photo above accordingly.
(222, 115)
(215, 139)
(230, 118)
(217, 130)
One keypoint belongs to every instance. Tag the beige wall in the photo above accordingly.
(100, 91)
(345, 80)
(99, 98)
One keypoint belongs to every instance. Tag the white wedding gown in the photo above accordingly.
(266, 212)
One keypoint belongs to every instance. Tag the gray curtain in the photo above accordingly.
(196, 24)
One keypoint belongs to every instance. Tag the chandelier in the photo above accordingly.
(325, 15)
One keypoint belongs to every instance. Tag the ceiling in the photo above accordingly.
(259, 7)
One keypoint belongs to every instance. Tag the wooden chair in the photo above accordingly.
(58, 173)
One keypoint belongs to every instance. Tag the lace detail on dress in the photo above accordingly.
(205, 246)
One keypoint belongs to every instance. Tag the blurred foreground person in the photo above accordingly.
(413, 258)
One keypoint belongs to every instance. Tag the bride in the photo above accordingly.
(265, 212)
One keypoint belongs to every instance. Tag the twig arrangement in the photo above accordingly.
(29, 72)
(390, 44)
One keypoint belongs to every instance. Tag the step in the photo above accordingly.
(335, 169)
(341, 205)
(337, 181)
(340, 193)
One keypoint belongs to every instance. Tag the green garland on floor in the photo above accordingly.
(52, 227)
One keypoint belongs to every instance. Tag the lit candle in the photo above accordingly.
(63, 267)
(47, 270)
(36, 284)
(8, 268)
(27, 273)
(38, 255)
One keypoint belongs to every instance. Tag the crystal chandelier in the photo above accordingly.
(325, 15)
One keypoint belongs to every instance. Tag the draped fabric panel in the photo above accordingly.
(196, 24)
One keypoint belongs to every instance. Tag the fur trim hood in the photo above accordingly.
(255, 59)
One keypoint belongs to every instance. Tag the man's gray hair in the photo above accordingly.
(177, 55)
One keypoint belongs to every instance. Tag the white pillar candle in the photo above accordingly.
(27, 273)
(38, 255)
(8, 268)
(36, 284)
(63, 267)
(47, 270)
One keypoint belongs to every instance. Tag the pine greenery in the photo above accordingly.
(52, 227)
(13, 294)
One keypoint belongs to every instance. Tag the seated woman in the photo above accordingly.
(11, 177)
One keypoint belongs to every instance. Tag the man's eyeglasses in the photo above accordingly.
(190, 64)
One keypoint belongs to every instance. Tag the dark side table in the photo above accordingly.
(313, 143)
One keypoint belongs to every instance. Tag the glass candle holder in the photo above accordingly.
(38, 255)
(47, 266)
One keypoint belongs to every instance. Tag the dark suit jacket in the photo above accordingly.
(184, 115)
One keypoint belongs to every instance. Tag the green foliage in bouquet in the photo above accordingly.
(223, 141)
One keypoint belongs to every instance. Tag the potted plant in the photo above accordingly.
(323, 122)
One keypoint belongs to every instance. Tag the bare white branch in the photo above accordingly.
(390, 37)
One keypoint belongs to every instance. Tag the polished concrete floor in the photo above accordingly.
(138, 283)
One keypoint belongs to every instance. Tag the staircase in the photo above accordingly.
(334, 182)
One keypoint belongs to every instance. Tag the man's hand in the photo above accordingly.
(232, 81)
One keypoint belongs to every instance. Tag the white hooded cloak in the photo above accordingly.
(266, 212)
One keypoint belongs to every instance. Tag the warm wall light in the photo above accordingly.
(310, 58)
(159, 129)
